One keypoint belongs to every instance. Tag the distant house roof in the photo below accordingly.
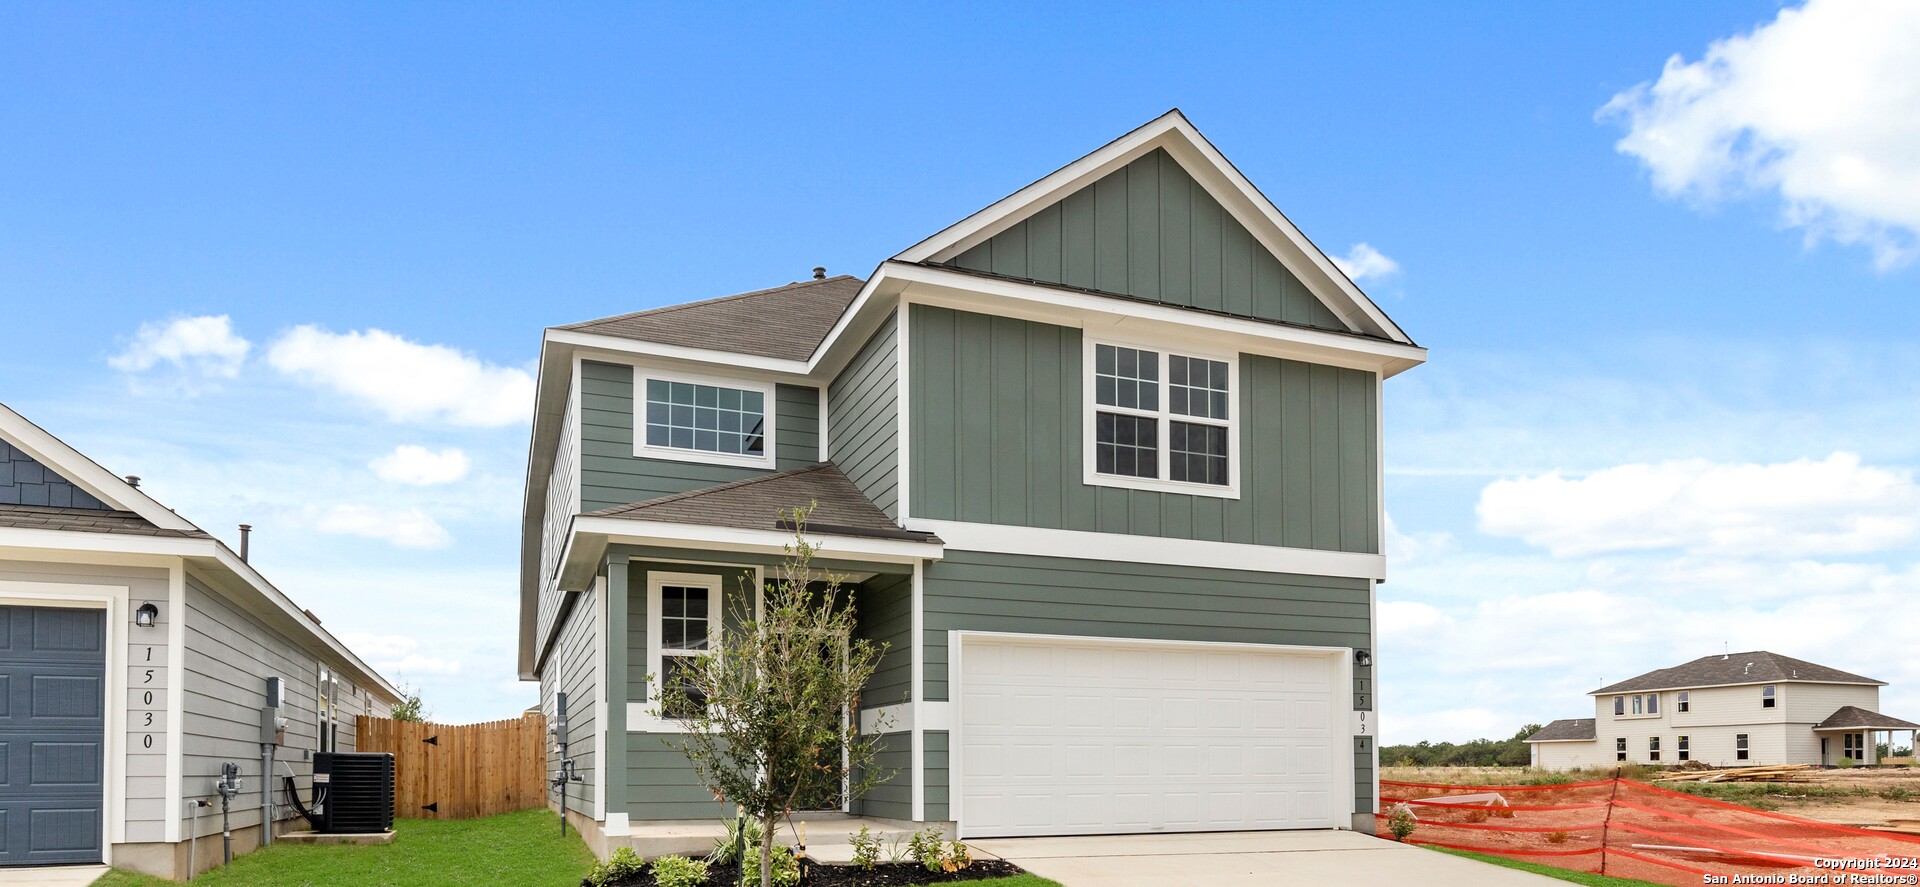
(87, 520)
(1567, 730)
(787, 322)
(1851, 716)
(1759, 667)
(755, 504)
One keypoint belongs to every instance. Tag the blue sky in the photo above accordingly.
(1641, 319)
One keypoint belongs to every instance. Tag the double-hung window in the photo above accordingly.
(1684, 701)
(1161, 420)
(692, 420)
(1766, 696)
(1620, 748)
(1685, 749)
(683, 622)
(1740, 748)
(1653, 748)
(1619, 706)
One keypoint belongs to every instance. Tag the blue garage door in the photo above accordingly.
(52, 730)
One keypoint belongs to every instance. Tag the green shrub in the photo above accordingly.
(1896, 793)
(936, 854)
(1845, 763)
(623, 864)
(679, 871)
(1401, 822)
(741, 831)
(866, 848)
(786, 867)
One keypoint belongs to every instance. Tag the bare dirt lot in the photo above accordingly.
(1860, 796)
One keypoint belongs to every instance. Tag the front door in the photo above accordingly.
(52, 734)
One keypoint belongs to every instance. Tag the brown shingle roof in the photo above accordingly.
(1758, 667)
(755, 504)
(86, 520)
(787, 322)
(1859, 718)
(1568, 730)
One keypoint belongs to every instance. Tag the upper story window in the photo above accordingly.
(1619, 706)
(1683, 701)
(1160, 420)
(1639, 706)
(702, 421)
(1766, 696)
(1653, 703)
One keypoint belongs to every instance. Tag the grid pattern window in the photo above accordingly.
(1855, 746)
(685, 633)
(1683, 700)
(1740, 750)
(1162, 417)
(1685, 750)
(706, 418)
(1766, 696)
(1653, 748)
(1620, 748)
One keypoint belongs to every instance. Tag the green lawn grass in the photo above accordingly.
(521, 849)
(1549, 871)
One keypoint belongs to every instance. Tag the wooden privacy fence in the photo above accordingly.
(461, 772)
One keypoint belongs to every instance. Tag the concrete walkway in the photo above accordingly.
(1221, 859)
(52, 875)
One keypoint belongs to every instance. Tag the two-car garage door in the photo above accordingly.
(52, 727)
(1063, 737)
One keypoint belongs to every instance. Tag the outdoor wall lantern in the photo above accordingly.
(1363, 658)
(145, 616)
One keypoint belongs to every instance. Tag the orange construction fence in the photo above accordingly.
(1630, 829)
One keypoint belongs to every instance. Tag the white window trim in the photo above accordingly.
(1089, 453)
(650, 719)
(641, 375)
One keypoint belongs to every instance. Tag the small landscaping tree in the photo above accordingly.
(409, 708)
(768, 715)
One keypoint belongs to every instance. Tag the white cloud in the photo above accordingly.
(395, 655)
(407, 381)
(405, 527)
(421, 467)
(204, 344)
(1783, 510)
(1820, 106)
(1364, 262)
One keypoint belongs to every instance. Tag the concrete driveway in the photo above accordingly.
(1252, 858)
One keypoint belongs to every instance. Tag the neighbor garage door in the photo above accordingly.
(1068, 737)
(52, 678)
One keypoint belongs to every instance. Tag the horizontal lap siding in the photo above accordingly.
(612, 475)
(229, 656)
(571, 669)
(892, 799)
(863, 419)
(884, 607)
(1149, 231)
(937, 779)
(661, 784)
(997, 437)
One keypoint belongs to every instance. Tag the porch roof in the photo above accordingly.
(839, 507)
(1852, 717)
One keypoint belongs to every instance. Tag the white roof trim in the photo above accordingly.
(1174, 132)
(1643, 690)
(85, 473)
(591, 534)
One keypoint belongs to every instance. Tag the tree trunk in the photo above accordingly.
(767, 825)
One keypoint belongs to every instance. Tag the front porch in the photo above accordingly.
(1856, 734)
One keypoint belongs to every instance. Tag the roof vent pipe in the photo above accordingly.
(819, 272)
(246, 531)
(133, 480)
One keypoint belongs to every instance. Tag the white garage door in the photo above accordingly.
(1065, 738)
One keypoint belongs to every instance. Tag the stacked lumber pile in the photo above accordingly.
(1776, 773)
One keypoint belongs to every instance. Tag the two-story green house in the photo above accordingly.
(1103, 459)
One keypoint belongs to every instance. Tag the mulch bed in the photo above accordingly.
(886, 874)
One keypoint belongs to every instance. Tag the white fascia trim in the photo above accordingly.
(1545, 741)
(769, 541)
(1059, 306)
(617, 345)
(1039, 542)
(74, 465)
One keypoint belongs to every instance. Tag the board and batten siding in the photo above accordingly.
(611, 475)
(863, 405)
(573, 668)
(983, 591)
(996, 427)
(229, 656)
(1149, 231)
(145, 773)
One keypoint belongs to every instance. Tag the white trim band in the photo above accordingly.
(1039, 542)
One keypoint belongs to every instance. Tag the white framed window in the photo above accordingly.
(324, 696)
(683, 621)
(1164, 419)
(1653, 703)
(1740, 748)
(1639, 705)
(1767, 696)
(1619, 706)
(695, 419)
(1684, 701)
(1653, 748)
(1620, 748)
(1686, 750)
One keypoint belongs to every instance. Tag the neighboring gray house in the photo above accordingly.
(134, 653)
(1103, 457)
(1735, 709)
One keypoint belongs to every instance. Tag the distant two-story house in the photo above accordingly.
(1735, 709)
(1102, 460)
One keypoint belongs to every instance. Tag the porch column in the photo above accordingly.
(614, 640)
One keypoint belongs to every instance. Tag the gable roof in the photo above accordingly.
(840, 509)
(1567, 730)
(787, 322)
(1735, 669)
(1853, 716)
(87, 520)
(1243, 202)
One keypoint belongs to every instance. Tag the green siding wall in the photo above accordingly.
(892, 799)
(863, 419)
(1148, 230)
(570, 669)
(660, 783)
(611, 475)
(981, 591)
(937, 780)
(996, 436)
(884, 607)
